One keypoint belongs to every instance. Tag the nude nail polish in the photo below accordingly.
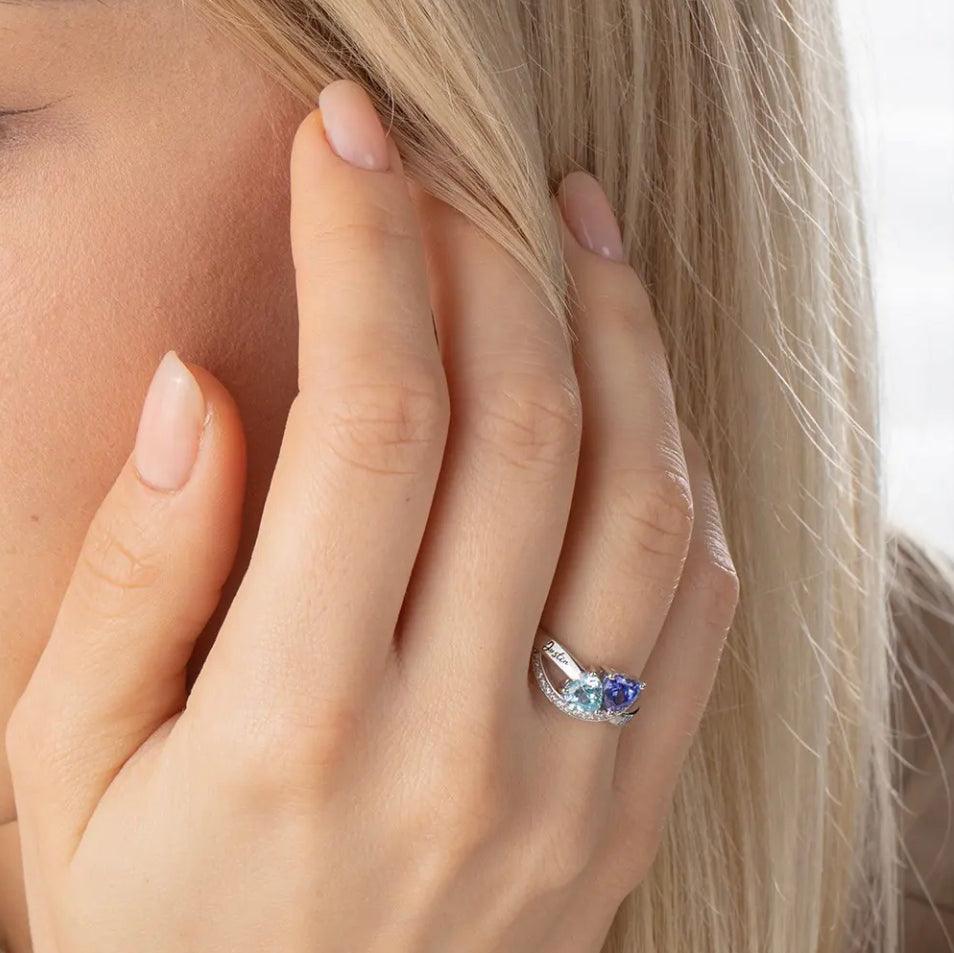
(588, 215)
(170, 428)
(352, 126)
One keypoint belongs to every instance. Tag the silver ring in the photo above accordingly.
(590, 694)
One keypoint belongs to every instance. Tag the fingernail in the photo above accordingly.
(352, 126)
(589, 217)
(170, 428)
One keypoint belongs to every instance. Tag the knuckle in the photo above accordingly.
(692, 450)
(285, 755)
(628, 864)
(451, 835)
(652, 511)
(623, 301)
(716, 585)
(566, 854)
(475, 804)
(20, 737)
(118, 564)
(478, 806)
(34, 746)
(475, 817)
(389, 423)
(371, 230)
(532, 421)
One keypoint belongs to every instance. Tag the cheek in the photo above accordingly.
(105, 263)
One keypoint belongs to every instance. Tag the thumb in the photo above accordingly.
(148, 577)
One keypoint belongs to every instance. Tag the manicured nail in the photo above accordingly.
(588, 214)
(170, 428)
(352, 126)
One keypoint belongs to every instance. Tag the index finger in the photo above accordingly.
(364, 441)
(359, 262)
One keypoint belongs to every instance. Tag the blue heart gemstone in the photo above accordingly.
(619, 692)
(584, 693)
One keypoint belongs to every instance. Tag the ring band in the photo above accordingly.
(587, 694)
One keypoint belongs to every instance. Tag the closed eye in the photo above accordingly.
(15, 124)
(5, 113)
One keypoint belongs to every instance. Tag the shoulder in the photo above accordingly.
(922, 606)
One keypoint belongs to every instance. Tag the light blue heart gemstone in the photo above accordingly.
(584, 693)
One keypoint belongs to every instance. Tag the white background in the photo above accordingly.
(901, 62)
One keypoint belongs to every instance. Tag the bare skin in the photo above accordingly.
(431, 505)
(143, 208)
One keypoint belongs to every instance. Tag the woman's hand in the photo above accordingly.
(363, 763)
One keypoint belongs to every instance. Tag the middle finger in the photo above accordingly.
(499, 515)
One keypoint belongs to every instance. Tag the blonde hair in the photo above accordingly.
(720, 131)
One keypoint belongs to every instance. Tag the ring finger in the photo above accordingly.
(631, 520)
